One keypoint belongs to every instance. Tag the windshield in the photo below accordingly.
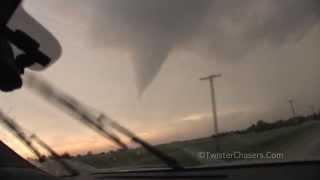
(202, 83)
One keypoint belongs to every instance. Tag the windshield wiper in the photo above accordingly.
(13, 127)
(84, 115)
(19, 132)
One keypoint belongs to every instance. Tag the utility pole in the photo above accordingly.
(213, 100)
(291, 102)
(313, 110)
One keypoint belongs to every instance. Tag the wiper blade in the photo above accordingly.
(72, 106)
(21, 135)
(11, 125)
(173, 163)
(55, 156)
(78, 110)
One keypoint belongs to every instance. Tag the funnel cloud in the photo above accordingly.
(226, 30)
(152, 29)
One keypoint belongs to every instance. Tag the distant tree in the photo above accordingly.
(43, 158)
(251, 128)
(66, 155)
(89, 153)
(261, 126)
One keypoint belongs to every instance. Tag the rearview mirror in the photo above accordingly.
(7, 9)
(24, 43)
(48, 44)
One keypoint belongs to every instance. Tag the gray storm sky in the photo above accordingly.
(140, 62)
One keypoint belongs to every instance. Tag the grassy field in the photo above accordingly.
(295, 142)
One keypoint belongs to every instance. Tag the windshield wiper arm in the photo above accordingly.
(171, 162)
(75, 108)
(21, 135)
(15, 129)
(56, 156)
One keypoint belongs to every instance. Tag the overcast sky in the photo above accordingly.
(140, 62)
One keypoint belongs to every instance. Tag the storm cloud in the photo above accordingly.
(151, 29)
(267, 51)
(227, 30)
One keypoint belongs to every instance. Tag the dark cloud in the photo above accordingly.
(228, 29)
(235, 29)
(151, 29)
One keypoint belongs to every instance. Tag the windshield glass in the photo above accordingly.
(205, 82)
